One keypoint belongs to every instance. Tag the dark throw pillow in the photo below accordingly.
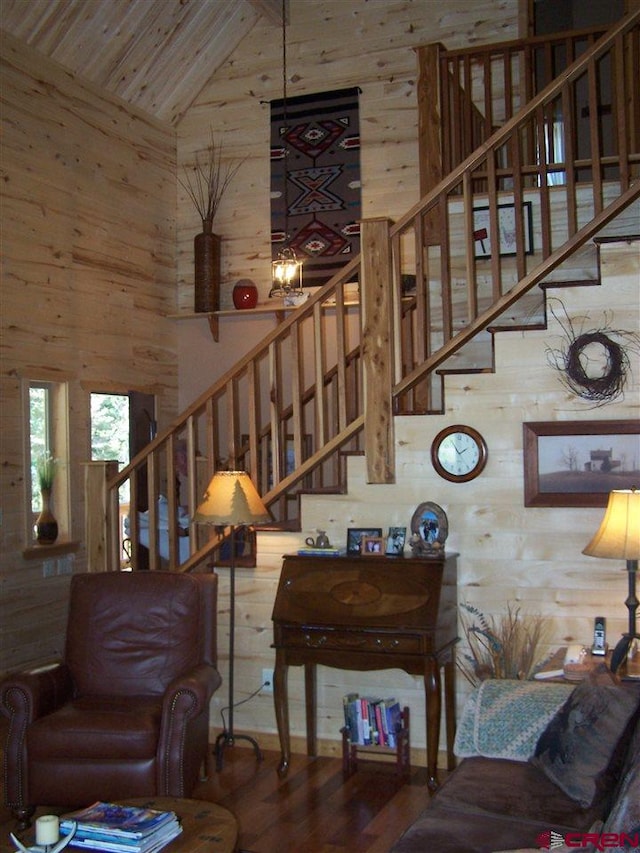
(624, 818)
(577, 747)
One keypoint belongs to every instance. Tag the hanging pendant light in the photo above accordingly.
(286, 270)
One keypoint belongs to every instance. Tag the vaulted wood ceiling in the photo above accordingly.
(155, 54)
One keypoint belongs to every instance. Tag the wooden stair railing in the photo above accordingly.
(331, 375)
(505, 187)
(481, 87)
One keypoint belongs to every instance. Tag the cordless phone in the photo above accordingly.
(599, 646)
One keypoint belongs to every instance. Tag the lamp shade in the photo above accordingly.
(231, 498)
(618, 536)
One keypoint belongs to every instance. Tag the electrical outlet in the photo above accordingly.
(267, 681)
(65, 565)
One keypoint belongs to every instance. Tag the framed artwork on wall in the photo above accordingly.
(577, 463)
(483, 238)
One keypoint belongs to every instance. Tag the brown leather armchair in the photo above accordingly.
(126, 713)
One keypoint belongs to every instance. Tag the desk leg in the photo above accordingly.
(433, 704)
(450, 706)
(310, 704)
(281, 704)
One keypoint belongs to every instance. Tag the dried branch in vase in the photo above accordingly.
(206, 182)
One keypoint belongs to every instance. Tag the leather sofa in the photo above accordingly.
(126, 712)
(541, 768)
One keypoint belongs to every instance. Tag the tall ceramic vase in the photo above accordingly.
(46, 525)
(206, 252)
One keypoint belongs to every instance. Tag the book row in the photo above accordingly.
(372, 721)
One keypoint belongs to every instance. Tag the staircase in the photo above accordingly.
(422, 299)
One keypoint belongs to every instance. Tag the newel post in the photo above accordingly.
(429, 117)
(377, 350)
(96, 475)
(430, 131)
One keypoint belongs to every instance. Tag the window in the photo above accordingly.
(46, 416)
(110, 432)
(121, 425)
(110, 427)
(41, 439)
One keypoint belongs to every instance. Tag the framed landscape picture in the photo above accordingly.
(577, 463)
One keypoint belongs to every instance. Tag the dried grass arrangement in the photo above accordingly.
(206, 182)
(503, 647)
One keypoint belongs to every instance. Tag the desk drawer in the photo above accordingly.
(356, 641)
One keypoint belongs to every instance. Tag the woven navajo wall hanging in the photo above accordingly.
(315, 142)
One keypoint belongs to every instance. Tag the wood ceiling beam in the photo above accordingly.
(271, 10)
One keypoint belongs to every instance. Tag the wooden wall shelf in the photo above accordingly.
(274, 306)
(46, 552)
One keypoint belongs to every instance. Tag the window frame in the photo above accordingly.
(57, 429)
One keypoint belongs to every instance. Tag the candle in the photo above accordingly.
(47, 829)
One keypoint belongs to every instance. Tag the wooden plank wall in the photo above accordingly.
(503, 555)
(86, 300)
(531, 557)
(330, 45)
(88, 214)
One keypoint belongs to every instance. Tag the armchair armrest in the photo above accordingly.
(189, 694)
(26, 696)
(185, 727)
(503, 718)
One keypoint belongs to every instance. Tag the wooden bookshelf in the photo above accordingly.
(401, 751)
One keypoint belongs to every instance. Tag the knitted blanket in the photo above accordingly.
(504, 718)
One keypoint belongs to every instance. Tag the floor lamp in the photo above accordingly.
(231, 500)
(618, 538)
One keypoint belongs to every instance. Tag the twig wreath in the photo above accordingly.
(593, 365)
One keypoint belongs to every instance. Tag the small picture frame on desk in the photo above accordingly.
(355, 535)
(429, 530)
(372, 546)
(395, 541)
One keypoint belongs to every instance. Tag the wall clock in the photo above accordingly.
(459, 453)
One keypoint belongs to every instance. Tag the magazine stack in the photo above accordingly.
(121, 829)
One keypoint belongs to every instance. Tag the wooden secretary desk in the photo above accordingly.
(365, 613)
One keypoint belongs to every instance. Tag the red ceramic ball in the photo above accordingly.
(245, 294)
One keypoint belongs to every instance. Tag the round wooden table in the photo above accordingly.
(206, 827)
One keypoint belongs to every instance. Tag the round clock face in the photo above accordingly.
(459, 453)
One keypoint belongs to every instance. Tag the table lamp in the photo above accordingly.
(231, 500)
(618, 538)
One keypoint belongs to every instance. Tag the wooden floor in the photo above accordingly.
(313, 810)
